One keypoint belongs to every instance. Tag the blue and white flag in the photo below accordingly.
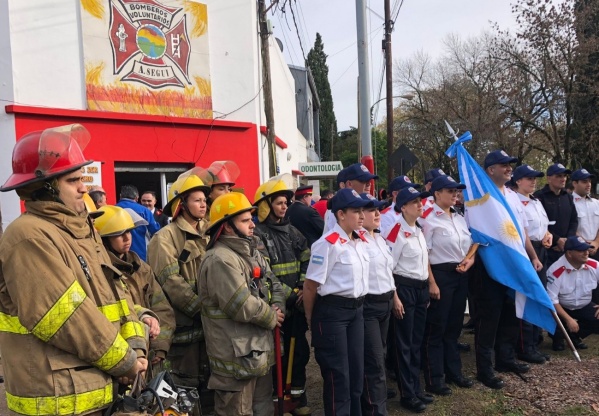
(495, 227)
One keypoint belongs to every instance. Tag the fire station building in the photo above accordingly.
(161, 86)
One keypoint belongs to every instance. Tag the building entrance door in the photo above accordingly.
(155, 177)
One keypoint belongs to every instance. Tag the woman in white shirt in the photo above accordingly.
(410, 272)
(448, 241)
(334, 290)
(524, 182)
(378, 304)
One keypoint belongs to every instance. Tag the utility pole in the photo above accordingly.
(267, 86)
(364, 87)
(389, 82)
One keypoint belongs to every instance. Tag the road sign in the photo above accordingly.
(321, 168)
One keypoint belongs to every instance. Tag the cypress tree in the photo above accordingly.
(317, 62)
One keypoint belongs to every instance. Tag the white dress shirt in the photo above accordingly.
(408, 249)
(388, 218)
(380, 273)
(447, 236)
(536, 217)
(517, 207)
(571, 288)
(340, 264)
(329, 221)
(587, 209)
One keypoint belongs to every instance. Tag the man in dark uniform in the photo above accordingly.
(496, 323)
(303, 217)
(559, 205)
(148, 200)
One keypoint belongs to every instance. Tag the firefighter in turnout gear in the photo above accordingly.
(66, 330)
(242, 302)
(287, 252)
(115, 227)
(175, 254)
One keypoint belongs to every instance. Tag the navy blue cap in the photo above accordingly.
(445, 182)
(498, 157)
(376, 203)
(408, 194)
(348, 198)
(359, 172)
(341, 176)
(401, 182)
(556, 169)
(525, 171)
(581, 174)
(432, 174)
(577, 244)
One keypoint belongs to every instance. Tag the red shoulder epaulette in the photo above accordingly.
(428, 211)
(592, 263)
(361, 234)
(332, 238)
(386, 210)
(393, 233)
(558, 272)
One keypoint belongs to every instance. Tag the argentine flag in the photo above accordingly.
(495, 227)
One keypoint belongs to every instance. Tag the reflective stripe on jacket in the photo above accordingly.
(60, 336)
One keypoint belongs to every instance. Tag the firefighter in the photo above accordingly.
(66, 333)
(222, 175)
(175, 254)
(242, 302)
(288, 254)
(115, 227)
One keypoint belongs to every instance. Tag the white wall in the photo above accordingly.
(47, 64)
(283, 87)
(9, 201)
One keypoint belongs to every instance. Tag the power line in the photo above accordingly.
(297, 30)
(299, 6)
(347, 69)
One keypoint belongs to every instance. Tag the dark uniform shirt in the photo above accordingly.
(560, 208)
(307, 220)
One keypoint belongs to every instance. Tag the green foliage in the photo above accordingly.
(317, 62)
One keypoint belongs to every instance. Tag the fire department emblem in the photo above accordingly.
(149, 43)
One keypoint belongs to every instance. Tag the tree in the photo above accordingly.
(586, 85)
(537, 82)
(317, 62)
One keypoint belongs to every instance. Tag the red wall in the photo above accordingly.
(117, 137)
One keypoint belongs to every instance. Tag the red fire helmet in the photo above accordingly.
(41, 155)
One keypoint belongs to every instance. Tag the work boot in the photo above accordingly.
(298, 395)
(532, 357)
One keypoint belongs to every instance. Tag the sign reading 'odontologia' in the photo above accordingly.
(321, 168)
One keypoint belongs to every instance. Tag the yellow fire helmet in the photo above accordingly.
(115, 221)
(226, 207)
(186, 182)
(92, 211)
(275, 186)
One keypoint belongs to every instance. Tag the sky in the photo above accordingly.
(421, 25)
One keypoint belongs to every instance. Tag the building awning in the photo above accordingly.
(278, 141)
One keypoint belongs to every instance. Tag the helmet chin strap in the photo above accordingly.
(237, 232)
(185, 209)
(272, 211)
(48, 190)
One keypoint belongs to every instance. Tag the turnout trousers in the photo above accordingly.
(338, 341)
(444, 320)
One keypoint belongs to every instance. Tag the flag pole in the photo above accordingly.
(566, 336)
